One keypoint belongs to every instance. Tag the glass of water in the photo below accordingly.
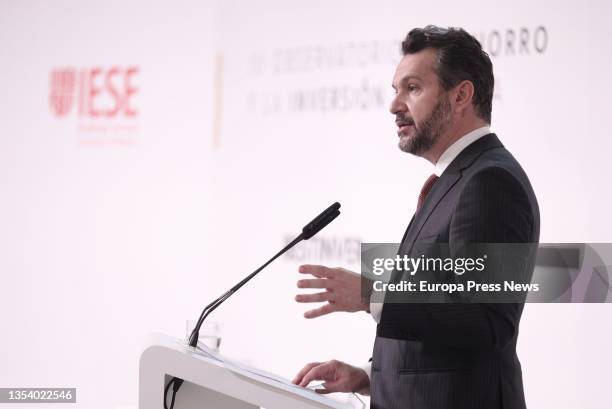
(210, 333)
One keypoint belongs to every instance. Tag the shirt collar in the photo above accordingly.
(455, 149)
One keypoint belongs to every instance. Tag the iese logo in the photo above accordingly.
(96, 92)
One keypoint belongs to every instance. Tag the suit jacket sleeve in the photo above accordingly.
(493, 207)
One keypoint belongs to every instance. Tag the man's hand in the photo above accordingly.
(337, 376)
(343, 290)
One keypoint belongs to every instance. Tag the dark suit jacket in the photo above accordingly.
(434, 356)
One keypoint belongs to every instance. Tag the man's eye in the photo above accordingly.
(412, 87)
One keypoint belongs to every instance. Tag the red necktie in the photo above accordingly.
(425, 190)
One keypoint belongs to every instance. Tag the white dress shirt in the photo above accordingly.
(445, 159)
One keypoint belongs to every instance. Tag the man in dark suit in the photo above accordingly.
(447, 355)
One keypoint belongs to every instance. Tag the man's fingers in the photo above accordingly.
(316, 297)
(315, 283)
(329, 388)
(317, 312)
(304, 371)
(316, 270)
(320, 372)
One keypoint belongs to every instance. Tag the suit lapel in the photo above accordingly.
(439, 190)
(407, 230)
(447, 180)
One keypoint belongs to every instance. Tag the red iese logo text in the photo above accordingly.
(96, 92)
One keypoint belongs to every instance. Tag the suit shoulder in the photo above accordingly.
(499, 163)
(497, 178)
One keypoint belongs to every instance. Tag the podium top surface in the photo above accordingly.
(232, 374)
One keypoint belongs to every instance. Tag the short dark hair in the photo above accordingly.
(460, 57)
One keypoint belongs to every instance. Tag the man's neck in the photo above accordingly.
(452, 136)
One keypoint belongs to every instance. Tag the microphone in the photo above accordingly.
(308, 231)
(321, 221)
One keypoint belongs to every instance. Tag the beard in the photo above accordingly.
(428, 132)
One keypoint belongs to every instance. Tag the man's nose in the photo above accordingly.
(397, 106)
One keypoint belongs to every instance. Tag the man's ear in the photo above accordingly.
(463, 96)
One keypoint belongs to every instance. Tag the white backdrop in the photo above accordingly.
(154, 153)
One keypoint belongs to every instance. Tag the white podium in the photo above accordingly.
(215, 382)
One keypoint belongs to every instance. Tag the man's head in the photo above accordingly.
(444, 89)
